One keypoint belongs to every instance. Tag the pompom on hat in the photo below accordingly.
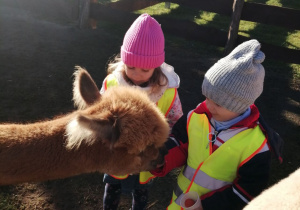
(236, 81)
(143, 44)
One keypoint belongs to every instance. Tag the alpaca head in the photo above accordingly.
(123, 121)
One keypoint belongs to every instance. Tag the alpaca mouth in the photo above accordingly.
(161, 157)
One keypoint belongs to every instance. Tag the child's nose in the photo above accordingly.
(138, 69)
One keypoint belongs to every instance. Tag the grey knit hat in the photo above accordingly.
(236, 81)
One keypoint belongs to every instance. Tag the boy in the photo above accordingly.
(223, 144)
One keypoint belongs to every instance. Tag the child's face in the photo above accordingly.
(218, 112)
(138, 75)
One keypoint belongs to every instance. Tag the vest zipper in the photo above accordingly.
(215, 134)
(214, 137)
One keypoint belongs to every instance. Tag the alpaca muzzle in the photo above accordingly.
(161, 157)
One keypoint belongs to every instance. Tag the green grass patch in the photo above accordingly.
(7, 201)
(265, 33)
(295, 4)
(296, 71)
(271, 34)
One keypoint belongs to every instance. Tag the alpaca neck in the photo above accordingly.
(36, 152)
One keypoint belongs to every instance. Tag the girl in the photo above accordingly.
(141, 64)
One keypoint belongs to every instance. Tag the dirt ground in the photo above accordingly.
(39, 46)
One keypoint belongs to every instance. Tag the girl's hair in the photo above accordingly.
(157, 79)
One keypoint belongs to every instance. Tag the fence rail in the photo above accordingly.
(120, 13)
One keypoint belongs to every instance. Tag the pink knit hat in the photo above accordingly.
(143, 44)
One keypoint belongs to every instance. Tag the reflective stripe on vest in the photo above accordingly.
(207, 171)
(165, 104)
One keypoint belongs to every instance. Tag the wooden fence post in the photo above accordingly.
(234, 26)
(84, 13)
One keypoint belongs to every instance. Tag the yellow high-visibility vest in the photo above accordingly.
(165, 104)
(206, 171)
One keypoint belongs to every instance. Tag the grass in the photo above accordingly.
(7, 202)
(265, 33)
(279, 3)
(296, 71)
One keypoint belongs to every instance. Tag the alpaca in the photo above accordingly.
(283, 195)
(119, 132)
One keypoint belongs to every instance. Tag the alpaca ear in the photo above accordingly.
(103, 128)
(85, 90)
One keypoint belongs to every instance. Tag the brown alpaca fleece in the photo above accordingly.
(120, 132)
(283, 195)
